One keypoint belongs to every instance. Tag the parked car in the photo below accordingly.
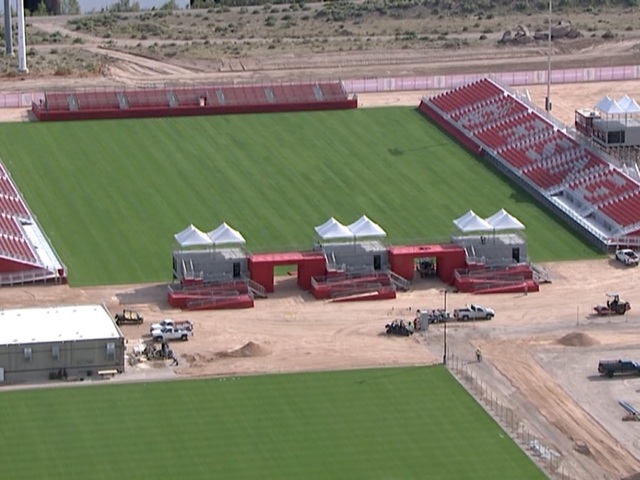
(628, 257)
(177, 325)
(618, 367)
(473, 312)
(129, 317)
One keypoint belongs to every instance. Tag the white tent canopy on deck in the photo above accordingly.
(609, 106)
(503, 220)
(471, 222)
(225, 235)
(192, 237)
(629, 105)
(364, 227)
(333, 230)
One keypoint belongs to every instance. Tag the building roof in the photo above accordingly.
(57, 324)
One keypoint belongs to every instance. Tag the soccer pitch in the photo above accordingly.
(111, 194)
(370, 424)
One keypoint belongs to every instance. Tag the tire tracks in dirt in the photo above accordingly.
(513, 360)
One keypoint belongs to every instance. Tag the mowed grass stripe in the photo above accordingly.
(111, 194)
(384, 423)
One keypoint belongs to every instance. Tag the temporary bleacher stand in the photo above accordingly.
(186, 101)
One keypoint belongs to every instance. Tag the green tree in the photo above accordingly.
(42, 10)
(69, 7)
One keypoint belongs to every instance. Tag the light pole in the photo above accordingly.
(547, 102)
(444, 356)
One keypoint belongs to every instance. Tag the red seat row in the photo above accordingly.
(7, 188)
(467, 95)
(8, 226)
(13, 206)
(546, 179)
(17, 248)
(625, 211)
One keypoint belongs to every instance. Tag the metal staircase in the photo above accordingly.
(256, 289)
(399, 282)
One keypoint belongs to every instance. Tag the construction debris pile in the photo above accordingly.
(149, 351)
(522, 35)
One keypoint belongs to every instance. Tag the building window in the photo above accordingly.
(27, 354)
(111, 352)
(55, 353)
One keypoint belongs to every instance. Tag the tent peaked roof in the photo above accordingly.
(225, 235)
(471, 222)
(629, 105)
(503, 220)
(608, 105)
(365, 227)
(333, 230)
(192, 237)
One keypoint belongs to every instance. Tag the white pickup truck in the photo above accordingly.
(170, 333)
(473, 312)
(176, 325)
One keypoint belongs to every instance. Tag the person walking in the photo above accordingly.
(478, 354)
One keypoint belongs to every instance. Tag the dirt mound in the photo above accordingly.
(250, 349)
(578, 339)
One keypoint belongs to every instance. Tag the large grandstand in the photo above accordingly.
(25, 252)
(575, 181)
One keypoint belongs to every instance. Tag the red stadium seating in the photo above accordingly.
(9, 226)
(530, 145)
(624, 211)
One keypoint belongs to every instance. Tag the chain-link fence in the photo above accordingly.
(538, 448)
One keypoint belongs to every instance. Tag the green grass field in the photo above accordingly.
(111, 194)
(370, 424)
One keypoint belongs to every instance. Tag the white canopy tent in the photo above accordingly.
(471, 222)
(629, 105)
(225, 235)
(503, 220)
(364, 227)
(192, 237)
(333, 230)
(609, 106)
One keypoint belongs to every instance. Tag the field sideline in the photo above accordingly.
(383, 423)
(111, 194)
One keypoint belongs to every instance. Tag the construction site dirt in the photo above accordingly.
(540, 352)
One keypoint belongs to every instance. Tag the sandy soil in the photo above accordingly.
(290, 331)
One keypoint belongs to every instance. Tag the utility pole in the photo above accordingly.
(547, 101)
(444, 355)
(8, 34)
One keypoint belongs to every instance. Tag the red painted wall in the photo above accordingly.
(314, 266)
(403, 265)
(153, 112)
(261, 273)
(9, 266)
(448, 263)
